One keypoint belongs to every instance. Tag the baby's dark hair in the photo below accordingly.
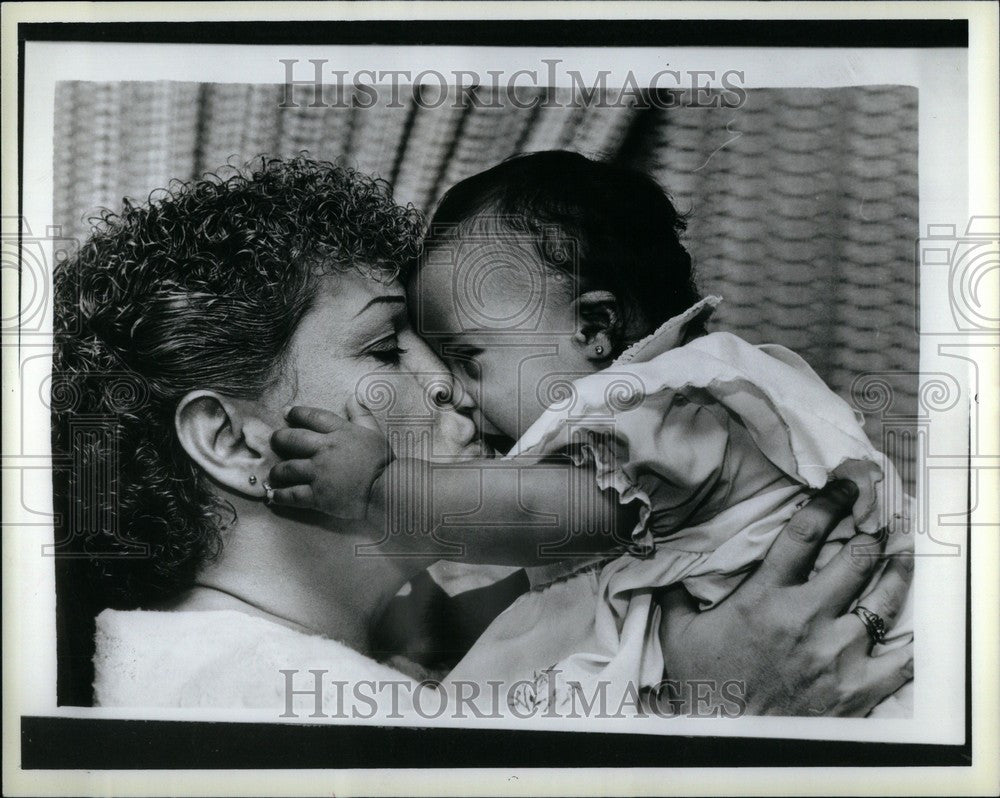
(625, 228)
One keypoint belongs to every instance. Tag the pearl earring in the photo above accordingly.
(253, 479)
(599, 350)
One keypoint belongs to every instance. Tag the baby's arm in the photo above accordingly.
(502, 511)
(506, 512)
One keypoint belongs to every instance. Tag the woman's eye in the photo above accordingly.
(386, 351)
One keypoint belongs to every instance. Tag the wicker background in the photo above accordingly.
(802, 203)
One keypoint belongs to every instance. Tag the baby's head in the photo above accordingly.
(544, 269)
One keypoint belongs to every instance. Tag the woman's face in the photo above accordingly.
(356, 347)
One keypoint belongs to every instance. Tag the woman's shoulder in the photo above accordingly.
(212, 658)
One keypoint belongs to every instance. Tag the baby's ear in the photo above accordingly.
(599, 324)
(672, 333)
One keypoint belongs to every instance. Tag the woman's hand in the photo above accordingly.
(791, 642)
(333, 463)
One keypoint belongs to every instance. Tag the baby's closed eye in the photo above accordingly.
(463, 358)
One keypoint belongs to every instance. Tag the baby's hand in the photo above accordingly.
(331, 463)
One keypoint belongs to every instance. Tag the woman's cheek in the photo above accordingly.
(332, 386)
(406, 408)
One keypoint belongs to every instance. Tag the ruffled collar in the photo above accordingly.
(669, 334)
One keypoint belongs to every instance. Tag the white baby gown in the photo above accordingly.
(720, 441)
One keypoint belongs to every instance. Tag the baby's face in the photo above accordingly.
(503, 322)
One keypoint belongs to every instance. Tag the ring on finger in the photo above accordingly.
(268, 494)
(873, 623)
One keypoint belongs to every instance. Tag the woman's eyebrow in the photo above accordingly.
(380, 299)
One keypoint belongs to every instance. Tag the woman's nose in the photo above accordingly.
(452, 393)
(464, 400)
(441, 384)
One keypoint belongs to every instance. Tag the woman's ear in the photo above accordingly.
(599, 325)
(227, 442)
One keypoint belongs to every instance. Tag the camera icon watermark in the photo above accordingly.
(963, 265)
(496, 282)
(33, 258)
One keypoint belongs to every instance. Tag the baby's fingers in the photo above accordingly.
(314, 418)
(295, 496)
(297, 442)
(291, 472)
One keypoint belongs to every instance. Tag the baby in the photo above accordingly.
(648, 452)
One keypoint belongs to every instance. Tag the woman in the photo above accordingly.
(226, 302)
(223, 303)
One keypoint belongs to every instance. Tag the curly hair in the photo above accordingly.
(200, 287)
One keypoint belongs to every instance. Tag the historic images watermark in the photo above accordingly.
(314, 83)
(313, 694)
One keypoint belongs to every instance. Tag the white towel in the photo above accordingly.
(223, 658)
